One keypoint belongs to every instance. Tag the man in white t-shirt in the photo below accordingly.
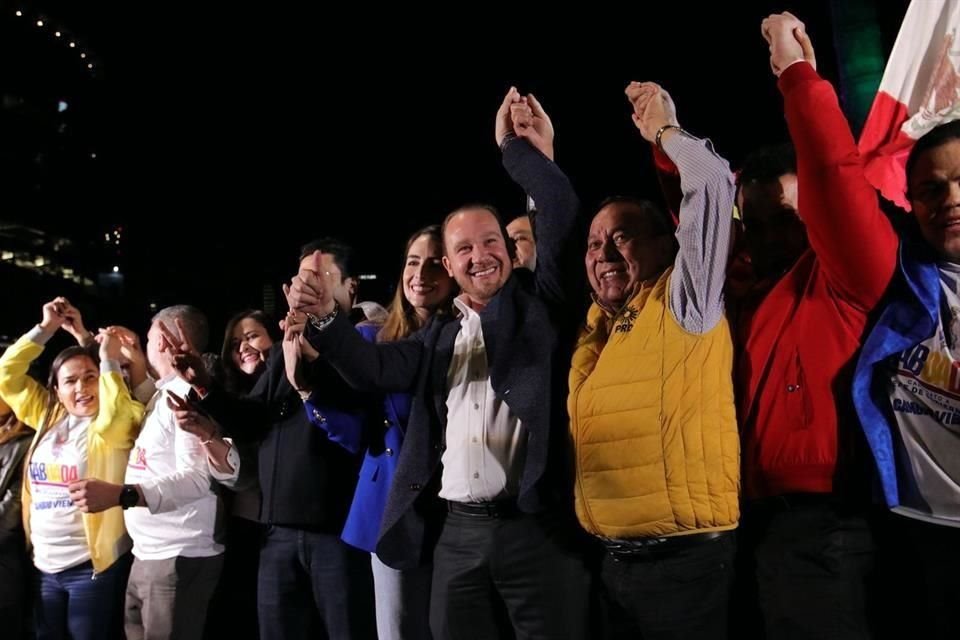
(177, 560)
(906, 389)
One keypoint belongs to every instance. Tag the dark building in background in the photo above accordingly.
(217, 140)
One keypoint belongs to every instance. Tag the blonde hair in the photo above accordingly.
(402, 318)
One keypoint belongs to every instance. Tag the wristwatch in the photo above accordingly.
(129, 497)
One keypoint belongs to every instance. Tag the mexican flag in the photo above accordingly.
(920, 89)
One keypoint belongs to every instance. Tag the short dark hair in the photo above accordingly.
(767, 164)
(523, 214)
(342, 253)
(660, 223)
(531, 216)
(938, 136)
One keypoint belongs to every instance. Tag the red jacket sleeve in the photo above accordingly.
(852, 238)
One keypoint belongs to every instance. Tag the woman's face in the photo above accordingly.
(78, 386)
(426, 284)
(250, 344)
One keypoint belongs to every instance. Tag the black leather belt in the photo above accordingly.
(496, 509)
(645, 547)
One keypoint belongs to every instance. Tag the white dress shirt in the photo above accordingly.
(485, 440)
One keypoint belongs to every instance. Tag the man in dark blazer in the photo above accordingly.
(482, 484)
(310, 582)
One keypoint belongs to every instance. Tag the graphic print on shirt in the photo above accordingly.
(928, 382)
(55, 463)
(925, 399)
(138, 459)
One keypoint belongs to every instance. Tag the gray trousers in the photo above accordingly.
(403, 601)
(168, 599)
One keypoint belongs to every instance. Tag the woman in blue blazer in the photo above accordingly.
(425, 290)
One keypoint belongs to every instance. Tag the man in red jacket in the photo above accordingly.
(806, 497)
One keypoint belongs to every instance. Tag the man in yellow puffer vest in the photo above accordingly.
(651, 396)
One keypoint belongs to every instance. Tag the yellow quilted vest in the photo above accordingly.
(653, 422)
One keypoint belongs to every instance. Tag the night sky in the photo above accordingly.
(358, 122)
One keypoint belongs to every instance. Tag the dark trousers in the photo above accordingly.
(14, 584)
(528, 564)
(312, 586)
(919, 565)
(674, 594)
(814, 567)
(76, 604)
(233, 608)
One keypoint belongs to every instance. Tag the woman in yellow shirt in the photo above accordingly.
(86, 422)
